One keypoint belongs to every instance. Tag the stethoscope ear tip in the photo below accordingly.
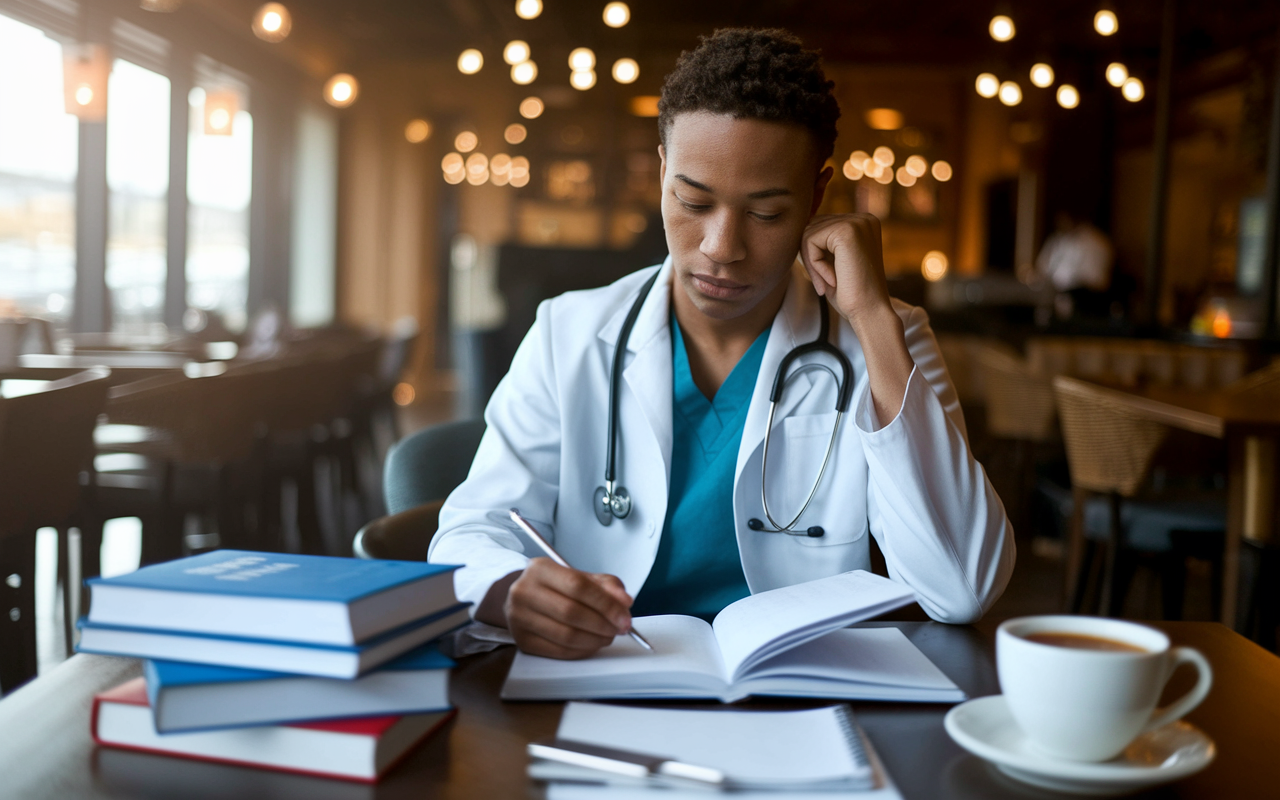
(755, 524)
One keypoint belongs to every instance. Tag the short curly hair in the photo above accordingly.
(755, 74)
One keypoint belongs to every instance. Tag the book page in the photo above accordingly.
(684, 656)
(765, 624)
(882, 657)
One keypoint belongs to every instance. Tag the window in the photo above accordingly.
(138, 179)
(38, 157)
(315, 198)
(219, 179)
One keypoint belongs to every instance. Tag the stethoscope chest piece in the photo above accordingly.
(610, 504)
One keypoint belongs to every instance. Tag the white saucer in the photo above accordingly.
(985, 728)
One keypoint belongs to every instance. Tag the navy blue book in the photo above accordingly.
(189, 697)
(277, 596)
(300, 658)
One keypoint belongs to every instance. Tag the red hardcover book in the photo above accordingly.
(352, 749)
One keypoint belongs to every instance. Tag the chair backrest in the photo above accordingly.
(1109, 448)
(1019, 402)
(427, 465)
(211, 420)
(46, 441)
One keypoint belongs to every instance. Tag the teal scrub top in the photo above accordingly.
(698, 570)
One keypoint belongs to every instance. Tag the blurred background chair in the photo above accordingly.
(46, 445)
(1109, 451)
(421, 471)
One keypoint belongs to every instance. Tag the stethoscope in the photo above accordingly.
(612, 500)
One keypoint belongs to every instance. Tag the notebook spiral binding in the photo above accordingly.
(844, 717)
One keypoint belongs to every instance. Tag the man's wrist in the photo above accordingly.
(873, 320)
(493, 608)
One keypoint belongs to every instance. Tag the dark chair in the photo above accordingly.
(1110, 451)
(46, 443)
(420, 472)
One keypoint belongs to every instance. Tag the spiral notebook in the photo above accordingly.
(818, 749)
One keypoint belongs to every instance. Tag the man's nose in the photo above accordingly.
(722, 240)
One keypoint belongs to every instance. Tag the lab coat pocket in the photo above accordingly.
(803, 446)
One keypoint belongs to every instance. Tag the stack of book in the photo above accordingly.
(300, 663)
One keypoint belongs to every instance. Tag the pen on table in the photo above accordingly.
(559, 559)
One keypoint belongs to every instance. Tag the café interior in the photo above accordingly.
(260, 263)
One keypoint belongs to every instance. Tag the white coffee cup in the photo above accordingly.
(1088, 705)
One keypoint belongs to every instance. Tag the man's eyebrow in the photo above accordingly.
(760, 195)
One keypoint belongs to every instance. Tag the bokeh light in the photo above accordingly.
(1001, 28)
(626, 70)
(1042, 75)
(417, 131)
(934, 265)
(528, 9)
(470, 61)
(616, 14)
(941, 171)
(987, 84)
(515, 133)
(531, 107)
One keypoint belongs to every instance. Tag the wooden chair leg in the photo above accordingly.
(1073, 586)
(18, 610)
(1115, 535)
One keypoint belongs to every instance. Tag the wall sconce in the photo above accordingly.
(85, 71)
(220, 109)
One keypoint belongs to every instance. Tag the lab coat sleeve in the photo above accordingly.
(931, 508)
(517, 465)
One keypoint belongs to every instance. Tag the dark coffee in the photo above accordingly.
(1083, 641)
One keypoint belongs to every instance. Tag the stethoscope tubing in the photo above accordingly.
(612, 500)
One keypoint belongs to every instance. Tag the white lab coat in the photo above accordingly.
(912, 483)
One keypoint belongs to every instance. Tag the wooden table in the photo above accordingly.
(124, 366)
(46, 752)
(1250, 424)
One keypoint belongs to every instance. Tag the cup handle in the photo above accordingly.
(1180, 707)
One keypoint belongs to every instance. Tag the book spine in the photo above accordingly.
(844, 718)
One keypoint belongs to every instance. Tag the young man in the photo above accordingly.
(747, 121)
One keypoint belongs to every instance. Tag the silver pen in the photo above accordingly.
(556, 557)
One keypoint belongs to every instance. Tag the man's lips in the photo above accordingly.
(718, 288)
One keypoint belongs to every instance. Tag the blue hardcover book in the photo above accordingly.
(188, 697)
(284, 597)
(299, 658)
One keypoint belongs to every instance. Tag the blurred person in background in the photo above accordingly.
(1076, 260)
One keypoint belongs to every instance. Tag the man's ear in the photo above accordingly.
(820, 188)
(662, 165)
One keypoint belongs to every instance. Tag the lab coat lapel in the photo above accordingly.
(796, 323)
(649, 375)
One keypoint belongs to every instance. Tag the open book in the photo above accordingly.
(785, 642)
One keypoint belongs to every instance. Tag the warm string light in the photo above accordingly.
(1068, 96)
(941, 171)
(417, 131)
(916, 166)
(616, 14)
(524, 73)
(1133, 90)
(1010, 93)
(531, 107)
(1001, 28)
(516, 51)
(883, 156)
(1042, 75)
(582, 59)
(528, 9)
(1117, 74)
(341, 90)
(626, 70)
(466, 141)
(272, 23)
(1105, 22)
(515, 133)
(582, 80)
(904, 177)
(987, 85)
(470, 61)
